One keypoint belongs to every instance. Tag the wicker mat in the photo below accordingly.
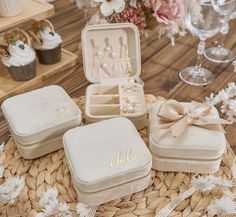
(52, 171)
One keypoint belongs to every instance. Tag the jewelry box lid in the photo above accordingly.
(106, 154)
(194, 143)
(111, 51)
(41, 114)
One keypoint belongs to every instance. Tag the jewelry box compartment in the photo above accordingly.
(104, 99)
(112, 62)
(104, 110)
(111, 51)
(122, 99)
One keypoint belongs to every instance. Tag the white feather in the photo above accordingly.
(51, 206)
(220, 182)
(226, 99)
(86, 211)
(48, 197)
(202, 183)
(223, 206)
(11, 189)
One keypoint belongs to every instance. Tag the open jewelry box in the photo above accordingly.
(112, 62)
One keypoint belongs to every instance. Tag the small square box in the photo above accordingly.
(112, 61)
(197, 150)
(107, 160)
(38, 119)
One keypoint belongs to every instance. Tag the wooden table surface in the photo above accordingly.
(161, 64)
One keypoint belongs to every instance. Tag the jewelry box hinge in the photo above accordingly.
(115, 81)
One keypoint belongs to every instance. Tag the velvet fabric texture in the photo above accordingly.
(197, 150)
(105, 155)
(117, 47)
(185, 165)
(99, 112)
(40, 116)
(194, 143)
(122, 39)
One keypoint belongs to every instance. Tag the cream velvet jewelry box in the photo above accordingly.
(112, 62)
(198, 149)
(38, 119)
(107, 160)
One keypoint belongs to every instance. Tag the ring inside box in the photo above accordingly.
(115, 100)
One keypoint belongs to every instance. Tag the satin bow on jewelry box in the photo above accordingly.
(175, 117)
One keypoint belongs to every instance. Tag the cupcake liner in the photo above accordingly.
(9, 8)
(50, 56)
(23, 73)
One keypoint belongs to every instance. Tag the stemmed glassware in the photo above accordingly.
(203, 19)
(220, 54)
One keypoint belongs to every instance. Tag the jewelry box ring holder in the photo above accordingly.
(112, 62)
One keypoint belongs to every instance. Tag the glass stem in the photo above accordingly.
(200, 52)
(222, 43)
(224, 31)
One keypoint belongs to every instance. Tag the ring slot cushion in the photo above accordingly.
(100, 103)
(107, 160)
(197, 150)
(38, 119)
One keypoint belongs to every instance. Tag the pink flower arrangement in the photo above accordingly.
(166, 11)
(132, 15)
(167, 15)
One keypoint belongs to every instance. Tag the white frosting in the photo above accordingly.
(50, 39)
(21, 54)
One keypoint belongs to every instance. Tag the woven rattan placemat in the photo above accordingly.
(52, 171)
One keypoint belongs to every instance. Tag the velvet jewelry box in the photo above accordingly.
(38, 119)
(112, 62)
(196, 150)
(107, 160)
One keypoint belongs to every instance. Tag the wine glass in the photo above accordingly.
(220, 54)
(202, 19)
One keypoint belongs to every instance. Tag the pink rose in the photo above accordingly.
(166, 11)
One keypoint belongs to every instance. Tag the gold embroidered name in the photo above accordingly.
(63, 111)
(122, 158)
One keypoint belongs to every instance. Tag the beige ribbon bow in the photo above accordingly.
(177, 118)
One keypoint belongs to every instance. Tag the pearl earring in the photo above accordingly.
(128, 62)
(97, 51)
(109, 48)
(113, 55)
(106, 68)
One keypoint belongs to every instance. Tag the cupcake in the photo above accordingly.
(18, 56)
(46, 41)
(10, 8)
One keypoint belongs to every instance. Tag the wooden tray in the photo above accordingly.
(32, 9)
(9, 87)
